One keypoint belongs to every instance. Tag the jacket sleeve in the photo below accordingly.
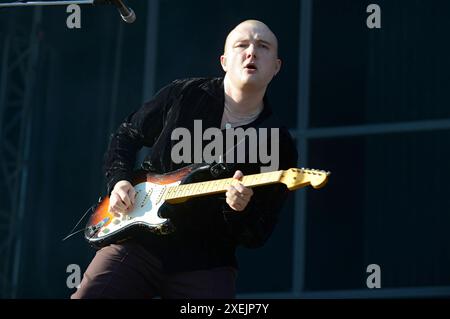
(140, 128)
(253, 226)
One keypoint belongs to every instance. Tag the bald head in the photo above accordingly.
(250, 57)
(256, 28)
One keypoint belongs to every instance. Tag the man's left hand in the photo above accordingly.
(238, 195)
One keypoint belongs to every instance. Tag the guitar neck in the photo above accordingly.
(181, 193)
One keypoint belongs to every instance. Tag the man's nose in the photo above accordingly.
(251, 51)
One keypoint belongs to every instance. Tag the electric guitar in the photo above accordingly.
(154, 190)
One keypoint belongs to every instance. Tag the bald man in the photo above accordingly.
(197, 260)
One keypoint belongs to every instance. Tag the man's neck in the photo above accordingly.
(243, 102)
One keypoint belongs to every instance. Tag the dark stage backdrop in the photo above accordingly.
(387, 202)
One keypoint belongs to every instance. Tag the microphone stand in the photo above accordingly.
(126, 13)
(47, 3)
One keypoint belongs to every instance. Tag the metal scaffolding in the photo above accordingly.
(19, 54)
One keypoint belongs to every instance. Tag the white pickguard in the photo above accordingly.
(148, 200)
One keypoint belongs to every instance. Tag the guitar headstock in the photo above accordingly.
(295, 178)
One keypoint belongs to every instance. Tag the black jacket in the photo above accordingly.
(209, 230)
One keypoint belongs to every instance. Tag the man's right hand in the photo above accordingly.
(122, 197)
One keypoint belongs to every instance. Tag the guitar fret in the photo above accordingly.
(169, 192)
(174, 192)
(203, 186)
(195, 188)
(218, 184)
(210, 186)
(262, 179)
(186, 193)
(221, 185)
(207, 187)
(225, 184)
(183, 190)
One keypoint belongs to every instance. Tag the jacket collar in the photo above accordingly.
(214, 87)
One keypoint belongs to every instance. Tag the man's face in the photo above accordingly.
(250, 57)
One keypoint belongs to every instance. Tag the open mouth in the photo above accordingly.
(251, 66)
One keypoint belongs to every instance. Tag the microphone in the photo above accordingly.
(126, 13)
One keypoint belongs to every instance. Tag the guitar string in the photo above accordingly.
(71, 233)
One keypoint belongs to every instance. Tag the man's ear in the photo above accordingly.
(277, 66)
(223, 62)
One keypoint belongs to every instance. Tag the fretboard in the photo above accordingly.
(175, 194)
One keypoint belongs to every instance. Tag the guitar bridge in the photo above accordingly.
(92, 230)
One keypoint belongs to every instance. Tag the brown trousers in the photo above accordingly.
(128, 270)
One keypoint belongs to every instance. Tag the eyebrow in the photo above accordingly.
(259, 41)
